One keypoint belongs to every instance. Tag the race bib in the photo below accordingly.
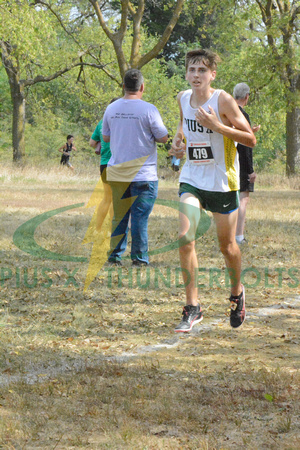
(200, 153)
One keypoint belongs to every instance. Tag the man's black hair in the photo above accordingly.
(69, 136)
(133, 80)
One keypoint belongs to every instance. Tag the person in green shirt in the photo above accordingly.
(106, 203)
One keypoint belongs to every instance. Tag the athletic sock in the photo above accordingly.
(236, 297)
(239, 238)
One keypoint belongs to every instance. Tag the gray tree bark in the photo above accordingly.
(293, 141)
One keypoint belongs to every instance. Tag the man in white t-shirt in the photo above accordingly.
(132, 126)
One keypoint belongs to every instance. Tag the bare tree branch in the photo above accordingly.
(131, 9)
(41, 2)
(281, 6)
(165, 36)
(6, 57)
(124, 17)
(59, 73)
(69, 33)
(136, 41)
(117, 38)
(101, 20)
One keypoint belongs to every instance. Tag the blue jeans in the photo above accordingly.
(136, 200)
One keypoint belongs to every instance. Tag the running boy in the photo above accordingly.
(66, 150)
(211, 123)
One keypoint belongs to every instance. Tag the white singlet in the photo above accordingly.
(212, 160)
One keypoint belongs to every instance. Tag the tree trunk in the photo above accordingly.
(17, 92)
(11, 66)
(293, 141)
(18, 123)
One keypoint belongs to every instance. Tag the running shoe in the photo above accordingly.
(238, 312)
(190, 316)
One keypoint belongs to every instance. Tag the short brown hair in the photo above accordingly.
(133, 80)
(209, 58)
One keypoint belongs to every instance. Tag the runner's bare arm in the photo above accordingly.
(234, 126)
(62, 149)
(178, 148)
(93, 143)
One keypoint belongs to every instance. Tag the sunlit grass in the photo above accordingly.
(104, 368)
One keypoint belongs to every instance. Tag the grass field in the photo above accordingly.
(102, 368)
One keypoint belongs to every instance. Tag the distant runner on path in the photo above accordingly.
(66, 150)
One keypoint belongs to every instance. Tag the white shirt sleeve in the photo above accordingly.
(105, 125)
(158, 128)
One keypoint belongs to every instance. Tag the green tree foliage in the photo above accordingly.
(195, 19)
(258, 41)
(281, 26)
(74, 102)
(24, 30)
(244, 60)
(5, 113)
(134, 12)
(73, 40)
(37, 48)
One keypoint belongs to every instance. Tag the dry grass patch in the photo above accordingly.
(104, 368)
(157, 403)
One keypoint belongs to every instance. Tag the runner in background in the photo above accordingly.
(66, 151)
(241, 94)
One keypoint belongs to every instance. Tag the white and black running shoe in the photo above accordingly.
(190, 316)
(238, 311)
